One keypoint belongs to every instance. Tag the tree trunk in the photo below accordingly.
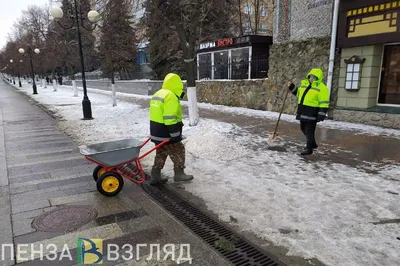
(190, 65)
(72, 77)
(54, 80)
(114, 96)
(256, 15)
(240, 18)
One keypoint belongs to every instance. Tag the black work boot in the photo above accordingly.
(307, 151)
(181, 176)
(156, 177)
(315, 146)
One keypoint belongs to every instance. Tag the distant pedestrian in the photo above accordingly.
(313, 103)
(166, 124)
(47, 80)
(60, 80)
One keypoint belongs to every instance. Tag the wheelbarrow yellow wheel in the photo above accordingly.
(110, 184)
(98, 171)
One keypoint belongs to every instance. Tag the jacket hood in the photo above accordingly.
(173, 82)
(318, 73)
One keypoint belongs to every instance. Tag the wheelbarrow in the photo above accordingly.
(115, 160)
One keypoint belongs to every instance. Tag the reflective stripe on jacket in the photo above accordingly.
(165, 117)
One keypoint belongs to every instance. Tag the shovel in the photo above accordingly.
(272, 138)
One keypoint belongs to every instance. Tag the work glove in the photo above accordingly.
(321, 118)
(291, 86)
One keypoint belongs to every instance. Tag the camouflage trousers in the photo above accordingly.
(176, 151)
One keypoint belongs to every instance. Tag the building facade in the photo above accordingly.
(256, 17)
(369, 39)
(302, 19)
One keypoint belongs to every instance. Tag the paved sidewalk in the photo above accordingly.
(42, 170)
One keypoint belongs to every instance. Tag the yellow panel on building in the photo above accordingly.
(372, 19)
(372, 28)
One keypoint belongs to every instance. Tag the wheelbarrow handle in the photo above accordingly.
(152, 149)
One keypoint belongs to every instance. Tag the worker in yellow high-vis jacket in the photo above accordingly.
(166, 123)
(313, 103)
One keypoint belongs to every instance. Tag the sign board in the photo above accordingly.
(225, 42)
(207, 45)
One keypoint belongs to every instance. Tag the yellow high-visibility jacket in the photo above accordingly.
(312, 99)
(166, 111)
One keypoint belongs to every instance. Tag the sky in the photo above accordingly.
(10, 11)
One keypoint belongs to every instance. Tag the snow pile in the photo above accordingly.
(214, 146)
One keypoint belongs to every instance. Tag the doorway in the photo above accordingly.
(389, 92)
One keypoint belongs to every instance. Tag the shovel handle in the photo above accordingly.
(279, 118)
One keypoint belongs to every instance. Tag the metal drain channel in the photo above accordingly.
(241, 252)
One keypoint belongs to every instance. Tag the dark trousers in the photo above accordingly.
(308, 129)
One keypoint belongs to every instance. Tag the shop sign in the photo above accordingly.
(225, 42)
(207, 45)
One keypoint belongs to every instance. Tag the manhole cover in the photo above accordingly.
(64, 219)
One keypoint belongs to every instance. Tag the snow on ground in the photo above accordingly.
(315, 210)
(357, 128)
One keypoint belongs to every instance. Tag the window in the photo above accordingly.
(353, 73)
(221, 65)
(240, 63)
(248, 9)
(204, 66)
(142, 57)
(247, 28)
(264, 12)
(262, 28)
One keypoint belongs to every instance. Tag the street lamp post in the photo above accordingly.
(37, 51)
(19, 75)
(93, 16)
(12, 70)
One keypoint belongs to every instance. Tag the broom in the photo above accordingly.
(272, 138)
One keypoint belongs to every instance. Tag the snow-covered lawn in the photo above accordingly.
(315, 210)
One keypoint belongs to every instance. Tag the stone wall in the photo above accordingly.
(288, 61)
(253, 94)
(368, 118)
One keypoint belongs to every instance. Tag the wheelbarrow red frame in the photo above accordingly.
(119, 169)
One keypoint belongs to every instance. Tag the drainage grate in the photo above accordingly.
(237, 250)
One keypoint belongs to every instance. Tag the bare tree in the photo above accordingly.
(186, 18)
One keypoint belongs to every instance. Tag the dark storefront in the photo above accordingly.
(234, 58)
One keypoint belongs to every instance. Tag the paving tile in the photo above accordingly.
(30, 205)
(120, 217)
(23, 189)
(28, 214)
(89, 197)
(29, 177)
(65, 182)
(23, 227)
(45, 167)
(33, 196)
(36, 237)
(33, 162)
